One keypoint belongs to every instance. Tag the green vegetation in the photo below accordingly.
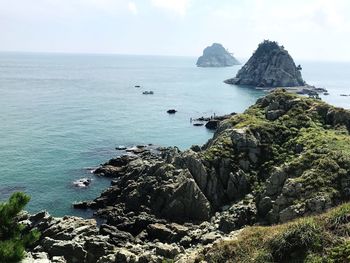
(305, 137)
(13, 237)
(324, 239)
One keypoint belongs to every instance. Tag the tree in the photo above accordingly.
(14, 238)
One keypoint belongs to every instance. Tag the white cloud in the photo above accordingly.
(133, 8)
(178, 6)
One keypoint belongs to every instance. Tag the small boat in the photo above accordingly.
(137, 86)
(148, 92)
(198, 124)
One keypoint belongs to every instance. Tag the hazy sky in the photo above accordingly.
(309, 29)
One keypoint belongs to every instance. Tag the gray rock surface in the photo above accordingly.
(270, 66)
(216, 56)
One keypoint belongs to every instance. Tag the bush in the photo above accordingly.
(298, 238)
(13, 237)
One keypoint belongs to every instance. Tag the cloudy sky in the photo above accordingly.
(309, 29)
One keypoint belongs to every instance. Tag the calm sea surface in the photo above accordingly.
(63, 114)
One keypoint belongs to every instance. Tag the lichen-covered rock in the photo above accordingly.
(270, 66)
(216, 56)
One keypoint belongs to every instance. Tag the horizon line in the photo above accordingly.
(155, 55)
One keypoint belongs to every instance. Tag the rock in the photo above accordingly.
(212, 124)
(274, 114)
(237, 216)
(270, 66)
(210, 237)
(125, 256)
(82, 183)
(159, 231)
(116, 236)
(276, 182)
(188, 202)
(38, 257)
(81, 205)
(171, 111)
(264, 206)
(237, 185)
(216, 56)
(196, 148)
(121, 148)
(70, 250)
(136, 150)
(167, 250)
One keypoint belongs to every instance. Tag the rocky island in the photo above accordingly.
(271, 66)
(231, 200)
(216, 56)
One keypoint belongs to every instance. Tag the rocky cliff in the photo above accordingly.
(285, 157)
(269, 66)
(216, 56)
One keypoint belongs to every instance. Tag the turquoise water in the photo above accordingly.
(63, 114)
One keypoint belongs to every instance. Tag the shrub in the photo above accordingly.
(296, 240)
(13, 237)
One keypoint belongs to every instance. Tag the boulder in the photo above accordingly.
(212, 124)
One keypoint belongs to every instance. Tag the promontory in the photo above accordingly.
(266, 188)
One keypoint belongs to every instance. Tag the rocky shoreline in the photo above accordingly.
(261, 167)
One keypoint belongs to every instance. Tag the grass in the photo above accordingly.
(309, 239)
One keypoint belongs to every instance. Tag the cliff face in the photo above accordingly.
(216, 56)
(285, 157)
(269, 66)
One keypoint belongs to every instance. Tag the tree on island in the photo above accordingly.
(14, 238)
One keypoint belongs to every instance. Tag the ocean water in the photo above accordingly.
(63, 114)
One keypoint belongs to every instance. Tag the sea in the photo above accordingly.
(62, 115)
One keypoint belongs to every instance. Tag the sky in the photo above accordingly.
(308, 29)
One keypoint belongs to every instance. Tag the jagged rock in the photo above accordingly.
(159, 231)
(188, 202)
(125, 256)
(237, 216)
(216, 56)
(210, 237)
(276, 182)
(167, 250)
(270, 66)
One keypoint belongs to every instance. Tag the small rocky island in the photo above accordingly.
(270, 66)
(216, 56)
(284, 158)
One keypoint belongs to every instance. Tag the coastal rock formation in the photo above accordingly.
(285, 157)
(270, 66)
(216, 56)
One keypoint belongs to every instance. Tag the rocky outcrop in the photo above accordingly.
(270, 66)
(285, 157)
(216, 56)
